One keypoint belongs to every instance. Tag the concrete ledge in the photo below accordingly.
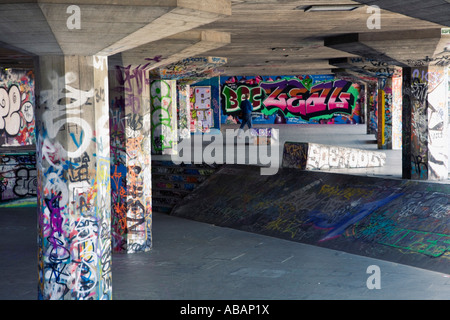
(313, 156)
(263, 135)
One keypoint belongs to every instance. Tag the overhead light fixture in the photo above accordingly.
(326, 7)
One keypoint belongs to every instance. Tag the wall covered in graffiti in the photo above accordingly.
(313, 156)
(205, 105)
(286, 99)
(17, 104)
(164, 123)
(18, 176)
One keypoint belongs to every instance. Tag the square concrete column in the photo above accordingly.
(389, 112)
(425, 123)
(184, 112)
(372, 107)
(131, 158)
(73, 164)
(163, 96)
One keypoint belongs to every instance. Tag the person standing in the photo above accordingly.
(246, 109)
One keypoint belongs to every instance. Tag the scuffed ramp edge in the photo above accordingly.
(395, 220)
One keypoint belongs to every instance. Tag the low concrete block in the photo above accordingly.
(263, 135)
(313, 156)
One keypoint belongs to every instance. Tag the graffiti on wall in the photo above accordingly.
(17, 103)
(18, 176)
(163, 116)
(74, 187)
(213, 119)
(202, 113)
(184, 112)
(294, 99)
(313, 156)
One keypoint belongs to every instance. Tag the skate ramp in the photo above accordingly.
(401, 221)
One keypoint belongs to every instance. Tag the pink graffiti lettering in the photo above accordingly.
(321, 99)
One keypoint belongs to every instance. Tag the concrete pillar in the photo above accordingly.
(184, 111)
(163, 96)
(389, 110)
(372, 107)
(131, 158)
(425, 123)
(73, 164)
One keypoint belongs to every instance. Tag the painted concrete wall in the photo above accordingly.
(286, 99)
(17, 121)
(18, 175)
(205, 105)
(17, 135)
(163, 100)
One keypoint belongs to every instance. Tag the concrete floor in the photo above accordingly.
(197, 261)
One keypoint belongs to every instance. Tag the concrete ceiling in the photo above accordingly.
(257, 37)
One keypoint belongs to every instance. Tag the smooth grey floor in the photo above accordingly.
(192, 260)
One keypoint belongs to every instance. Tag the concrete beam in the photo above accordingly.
(176, 48)
(187, 15)
(100, 27)
(401, 48)
(367, 67)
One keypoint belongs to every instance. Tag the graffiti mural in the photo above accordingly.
(163, 116)
(184, 111)
(213, 114)
(17, 104)
(304, 99)
(18, 176)
(202, 113)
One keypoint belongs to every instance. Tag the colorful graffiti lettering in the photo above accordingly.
(294, 98)
(321, 100)
(163, 119)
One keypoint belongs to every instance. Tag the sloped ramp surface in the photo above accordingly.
(395, 220)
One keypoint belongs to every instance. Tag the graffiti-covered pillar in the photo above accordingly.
(73, 161)
(131, 157)
(372, 107)
(184, 111)
(163, 96)
(425, 123)
(389, 112)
